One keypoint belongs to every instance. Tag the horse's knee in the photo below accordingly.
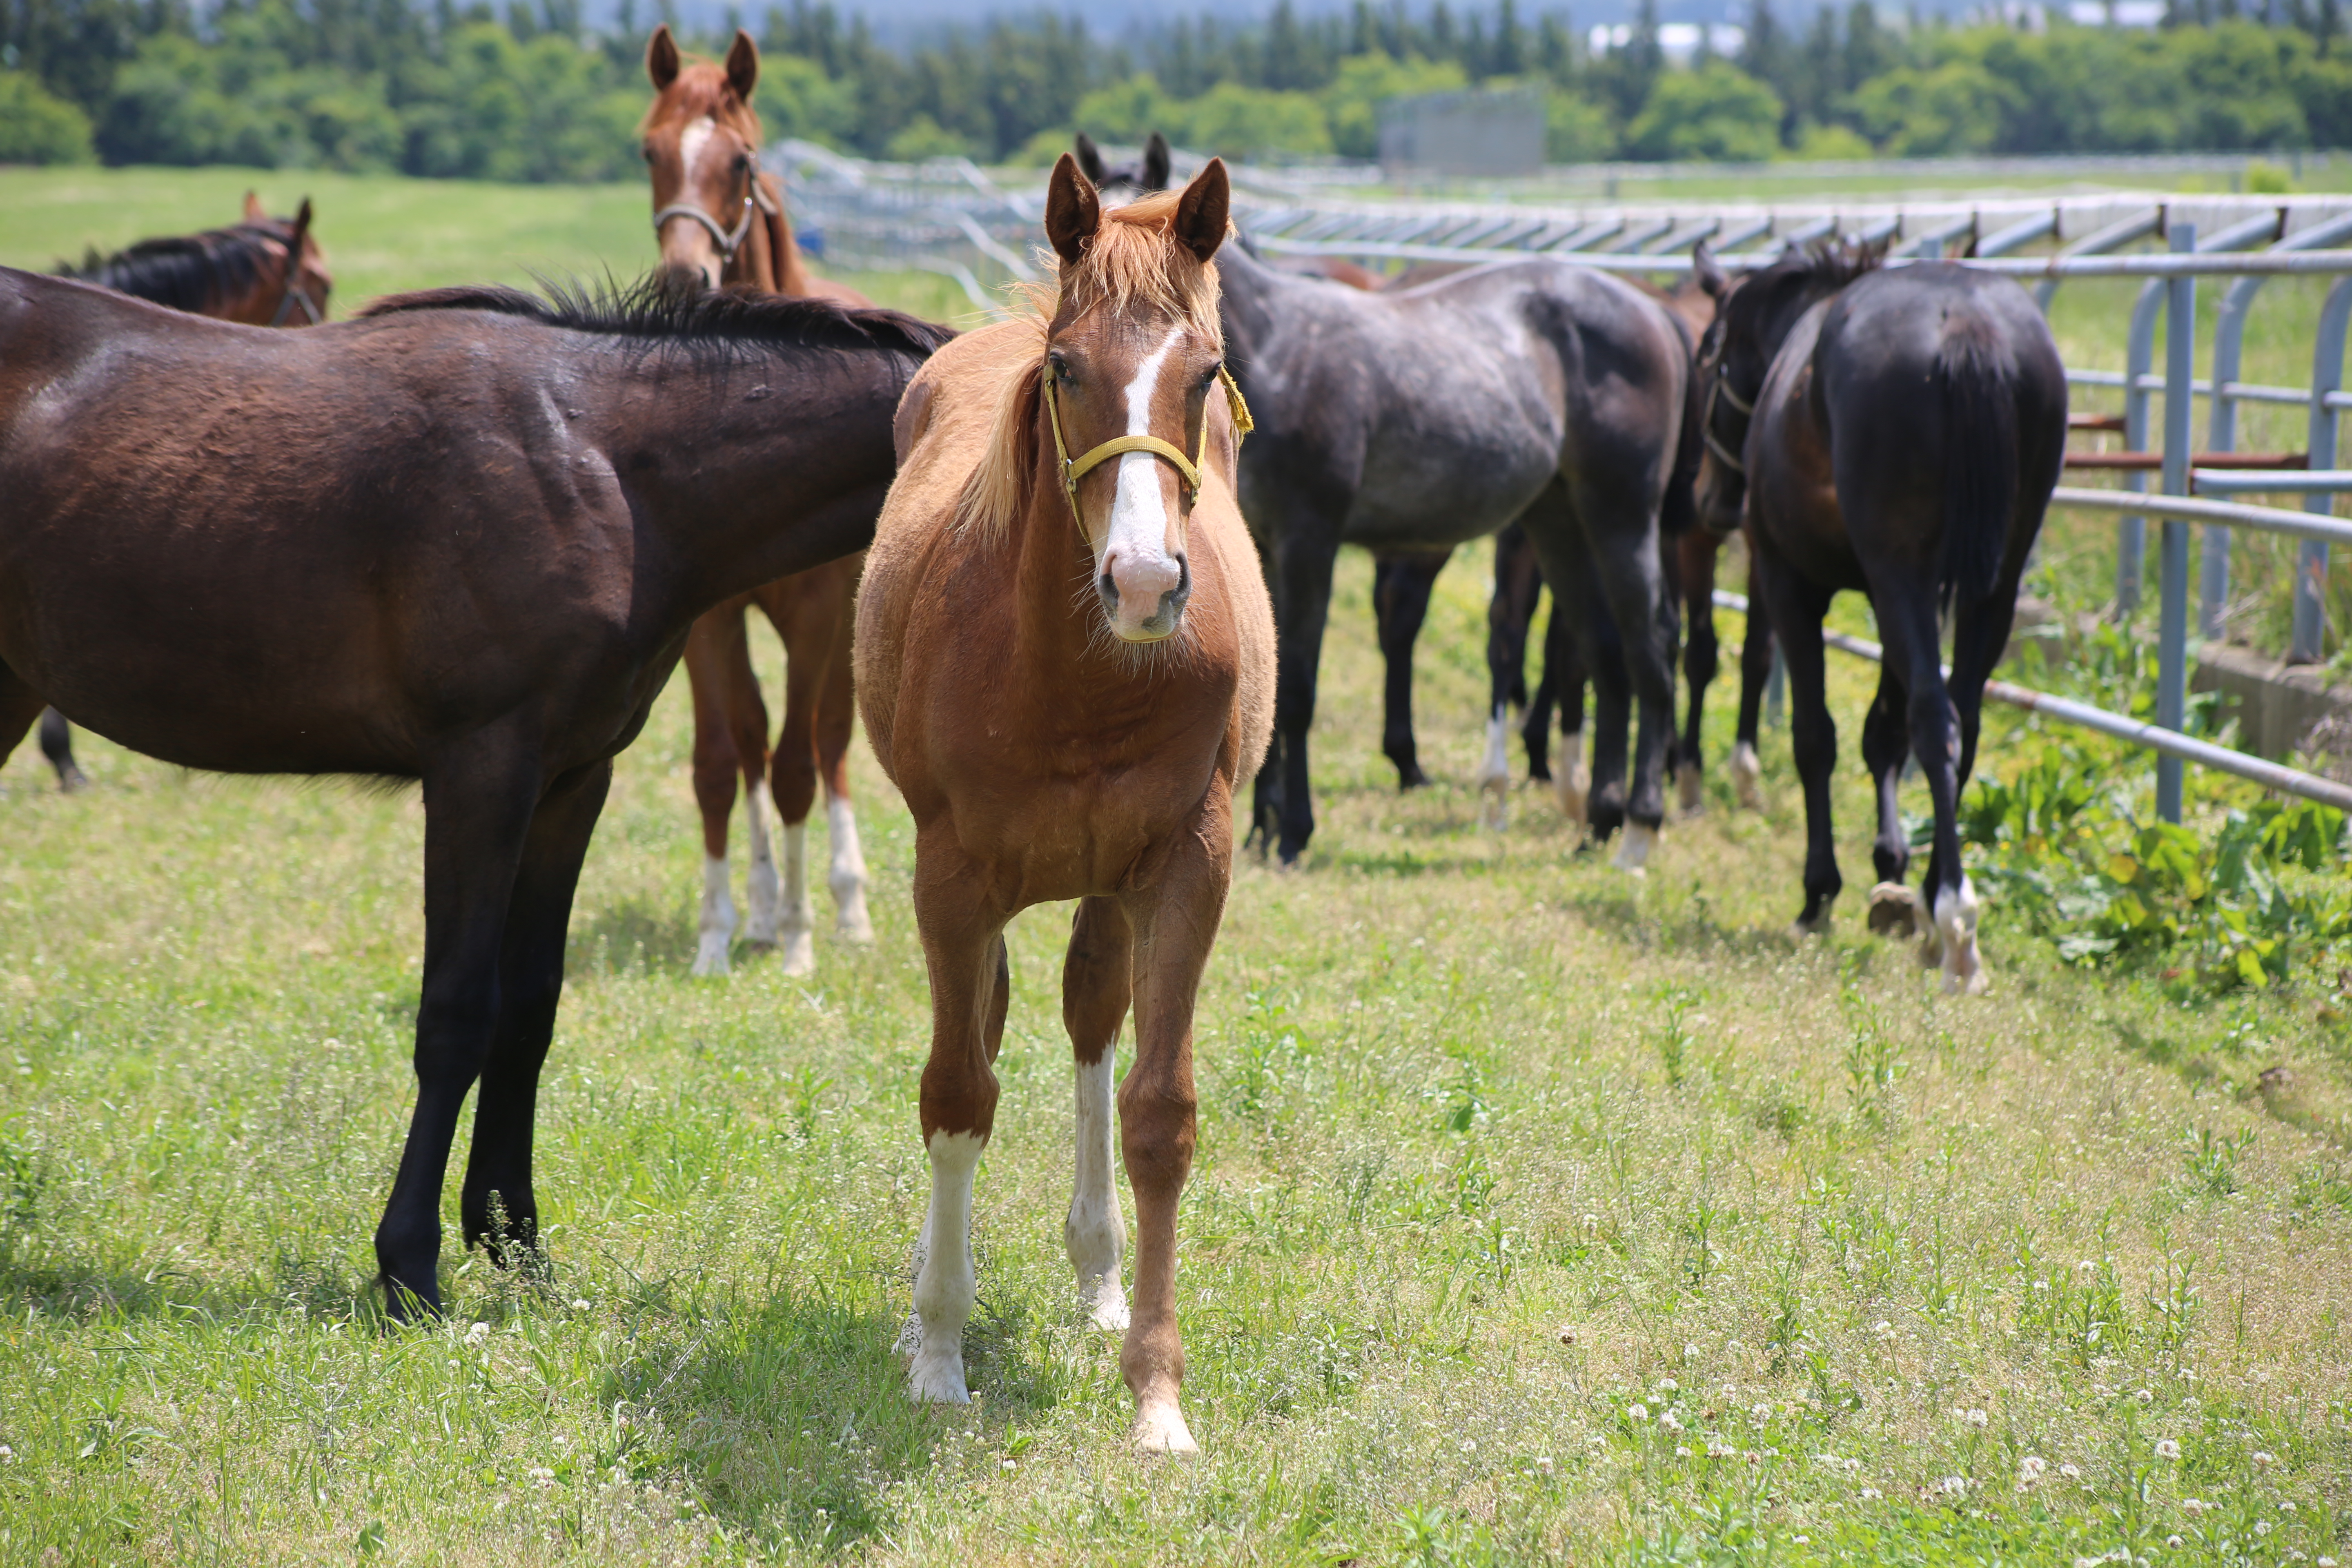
(792, 779)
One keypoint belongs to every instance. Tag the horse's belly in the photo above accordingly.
(1421, 495)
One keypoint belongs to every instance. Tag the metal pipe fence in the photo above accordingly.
(951, 217)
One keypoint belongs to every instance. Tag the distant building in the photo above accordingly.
(1464, 132)
(2117, 13)
(1678, 41)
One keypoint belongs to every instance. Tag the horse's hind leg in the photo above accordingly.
(1097, 982)
(836, 717)
(1755, 673)
(1175, 916)
(1402, 584)
(1895, 910)
(1695, 556)
(1563, 677)
(57, 744)
(1797, 607)
(964, 944)
(715, 769)
(803, 623)
(531, 982)
(1510, 615)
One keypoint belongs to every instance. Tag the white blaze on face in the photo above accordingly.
(1134, 553)
(684, 241)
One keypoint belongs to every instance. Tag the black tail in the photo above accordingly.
(1981, 462)
(1679, 511)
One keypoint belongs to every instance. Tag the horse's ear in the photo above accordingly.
(1073, 211)
(1202, 209)
(661, 59)
(1710, 276)
(1155, 162)
(1090, 162)
(254, 212)
(742, 65)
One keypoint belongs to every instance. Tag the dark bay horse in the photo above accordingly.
(1907, 426)
(458, 540)
(720, 221)
(1126, 181)
(1065, 660)
(1422, 418)
(264, 272)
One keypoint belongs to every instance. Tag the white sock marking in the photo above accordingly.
(1094, 1233)
(797, 920)
(1495, 770)
(1748, 776)
(946, 1288)
(1634, 852)
(760, 884)
(1571, 780)
(718, 918)
(848, 874)
(1956, 922)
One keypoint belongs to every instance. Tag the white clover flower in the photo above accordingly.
(2166, 1448)
(1977, 1418)
(2263, 1458)
(580, 1303)
(1638, 1412)
(1761, 1415)
(2072, 1472)
(478, 1334)
(1952, 1486)
(2087, 1267)
(1719, 1450)
(1681, 1452)
(2144, 1397)
(1543, 1464)
(1883, 1328)
(2030, 1468)
(2325, 1562)
(2261, 1527)
(1870, 1492)
(1596, 1441)
(7, 1455)
(1668, 1420)
(1690, 1351)
(2174, 1542)
(1669, 1386)
(2191, 1506)
(543, 1475)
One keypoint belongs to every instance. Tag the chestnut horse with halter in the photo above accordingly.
(720, 221)
(1065, 660)
(264, 272)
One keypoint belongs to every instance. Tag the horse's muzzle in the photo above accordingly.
(1122, 585)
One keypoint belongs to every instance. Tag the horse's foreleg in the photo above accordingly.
(1300, 615)
(963, 942)
(57, 744)
(1097, 982)
(1564, 677)
(1175, 920)
(794, 776)
(715, 769)
(1978, 636)
(836, 719)
(1402, 584)
(531, 983)
(1695, 554)
(1755, 674)
(1797, 607)
(479, 808)
(1510, 615)
(747, 728)
(1634, 582)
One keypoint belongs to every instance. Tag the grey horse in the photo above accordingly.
(1423, 418)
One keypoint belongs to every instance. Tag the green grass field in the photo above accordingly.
(1541, 1215)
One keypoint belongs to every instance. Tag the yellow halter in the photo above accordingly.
(1187, 468)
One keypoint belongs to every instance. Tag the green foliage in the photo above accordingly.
(1716, 112)
(38, 126)
(2063, 846)
(1351, 103)
(1955, 107)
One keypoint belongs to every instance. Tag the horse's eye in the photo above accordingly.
(1210, 380)
(648, 151)
(1062, 370)
(742, 162)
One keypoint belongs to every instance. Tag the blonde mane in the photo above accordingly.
(1133, 265)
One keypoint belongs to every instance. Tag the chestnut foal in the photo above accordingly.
(720, 221)
(1066, 658)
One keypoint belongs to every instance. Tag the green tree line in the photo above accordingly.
(528, 93)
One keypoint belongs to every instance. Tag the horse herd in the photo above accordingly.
(465, 538)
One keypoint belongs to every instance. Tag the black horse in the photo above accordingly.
(1899, 432)
(1423, 418)
(1116, 188)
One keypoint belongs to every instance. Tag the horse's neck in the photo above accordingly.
(770, 258)
(1248, 302)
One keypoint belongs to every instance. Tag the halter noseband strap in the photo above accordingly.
(1188, 469)
(728, 240)
(1745, 407)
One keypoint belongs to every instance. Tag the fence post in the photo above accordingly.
(2311, 561)
(2172, 626)
(2139, 353)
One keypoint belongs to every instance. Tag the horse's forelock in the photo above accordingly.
(1134, 262)
(702, 88)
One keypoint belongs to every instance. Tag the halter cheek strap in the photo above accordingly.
(1188, 469)
(728, 240)
(1744, 407)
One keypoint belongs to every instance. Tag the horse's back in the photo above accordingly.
(945, 419)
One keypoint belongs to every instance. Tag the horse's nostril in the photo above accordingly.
(1108, 587)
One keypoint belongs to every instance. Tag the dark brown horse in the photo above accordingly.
(264, 272)
(1897, 432)
(458, 540)
(720, 221)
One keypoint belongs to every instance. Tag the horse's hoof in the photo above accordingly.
(71, 780)
(1633, 851)
(1956, 925)
(938, 1379)
(710, 953)
(799, 949)
(1815, 924)
(1895, 911)
(1160, 1428)
(1747, 777)
(1690, 789)
(851, 922)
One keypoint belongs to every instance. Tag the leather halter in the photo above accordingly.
(294, 294)
(728, 240)
(1188, 469)
(1744, 407)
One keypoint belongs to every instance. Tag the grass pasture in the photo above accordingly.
(1540, 1216)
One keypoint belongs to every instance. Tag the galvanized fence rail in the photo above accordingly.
(949, 216)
